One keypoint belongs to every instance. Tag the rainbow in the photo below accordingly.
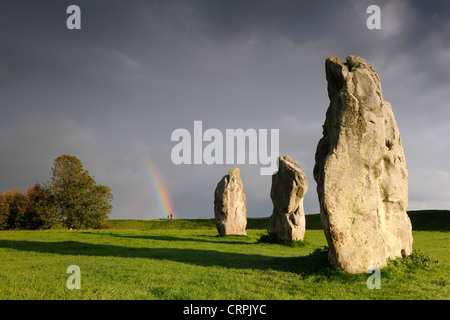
(158, 190)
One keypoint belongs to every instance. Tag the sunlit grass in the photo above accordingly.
(198, 264)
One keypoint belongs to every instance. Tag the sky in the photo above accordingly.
(113, 92)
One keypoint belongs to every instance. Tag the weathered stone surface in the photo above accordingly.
(360, 170)
(289, 185)
(230, 205)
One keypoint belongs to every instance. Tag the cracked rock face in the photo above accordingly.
(360, 170)
(289, 185)
(230, 205)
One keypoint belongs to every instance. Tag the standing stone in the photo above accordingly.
(360, 170)
(289, 185)
(230, 205)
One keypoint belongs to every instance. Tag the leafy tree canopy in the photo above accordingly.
(80, 202)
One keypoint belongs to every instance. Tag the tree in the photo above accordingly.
(40, 212)
(79, 201)
(17, 206)
(4, 210)
(32, 210)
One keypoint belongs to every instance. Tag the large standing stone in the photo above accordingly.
(230, 205)
(289, 185)
(360, 170)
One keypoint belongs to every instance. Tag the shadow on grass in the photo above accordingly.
(230, 239)
(315, 263)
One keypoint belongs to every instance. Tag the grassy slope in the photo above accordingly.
(195, 224)
(197, 264)
(421, 220)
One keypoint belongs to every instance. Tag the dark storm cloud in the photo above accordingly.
(113, 92)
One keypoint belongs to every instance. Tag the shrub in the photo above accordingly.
(417, 260)
(108, 226)
(272, 238)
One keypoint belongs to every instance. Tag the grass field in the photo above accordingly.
(185, 259)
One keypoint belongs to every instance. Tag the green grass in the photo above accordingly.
(421, 220)
(181, 224)
(138, 260)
